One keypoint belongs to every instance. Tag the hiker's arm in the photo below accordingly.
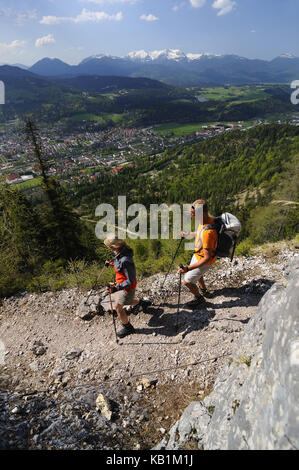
(188, 234)
(208, 254)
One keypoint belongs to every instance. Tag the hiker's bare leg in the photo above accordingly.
(123, 317)
(201, 283)
(193, 288)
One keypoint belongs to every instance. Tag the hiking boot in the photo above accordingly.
(126, 330)
(205, 293)
(142, 305)
(196, 302)
(145, 304)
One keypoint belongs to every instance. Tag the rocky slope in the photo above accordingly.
(254, 404)
(54, 365)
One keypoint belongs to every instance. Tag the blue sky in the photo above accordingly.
(72, 30)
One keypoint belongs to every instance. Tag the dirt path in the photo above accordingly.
(74, 358)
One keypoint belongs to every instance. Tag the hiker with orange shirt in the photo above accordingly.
(126, 282)
(204, 256)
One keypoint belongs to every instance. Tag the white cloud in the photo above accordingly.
(197, 3)
(12, 47)
(44, 41)
(50, 20)
(84, 17)
(19, 18)
(27, 16)
(178, 6)
(224, 6)
(253, 31)
(95, 16)
(149, 17)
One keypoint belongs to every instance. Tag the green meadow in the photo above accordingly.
(242, 93)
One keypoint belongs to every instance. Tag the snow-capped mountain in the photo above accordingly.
(286, 55)
(175, 67)
(97, 57)
(163, 55)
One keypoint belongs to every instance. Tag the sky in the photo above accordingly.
(72, 30)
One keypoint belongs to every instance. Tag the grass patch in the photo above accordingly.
(238, 94)
(179, 129)
(243, 360)
(86, 117)
(29, 184)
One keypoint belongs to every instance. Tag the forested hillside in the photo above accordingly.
(238, 171)
(47, 244)
(139, 101)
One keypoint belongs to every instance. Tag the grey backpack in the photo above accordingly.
(228, 228)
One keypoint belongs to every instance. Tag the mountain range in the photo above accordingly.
(136, 100)
(174, 67)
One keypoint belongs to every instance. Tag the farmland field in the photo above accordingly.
(238, 94)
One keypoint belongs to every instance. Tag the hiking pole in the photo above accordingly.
(171, 264)
(112, 312)
(179, 300)
(97, 280)
(172, 261)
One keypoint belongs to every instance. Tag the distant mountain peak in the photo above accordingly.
(96, 57)
(170, 54)
(287, 55)
(50, 66)
(167, 54)
(138, 55)
(51, 59)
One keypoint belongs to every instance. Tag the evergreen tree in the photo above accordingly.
(21, 247)
(63, 230)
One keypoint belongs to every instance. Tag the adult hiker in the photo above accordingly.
(126, 282)
(204, 256)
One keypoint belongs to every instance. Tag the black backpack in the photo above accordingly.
(228, 229)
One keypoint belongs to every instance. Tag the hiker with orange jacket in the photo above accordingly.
(204, 255)
(126, 282)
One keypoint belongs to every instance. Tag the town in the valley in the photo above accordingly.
(80, 155)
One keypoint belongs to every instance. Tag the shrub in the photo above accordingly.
(244, 248)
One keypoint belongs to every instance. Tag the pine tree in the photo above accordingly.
(21, 247)
(64, 232)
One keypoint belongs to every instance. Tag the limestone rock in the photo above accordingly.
(103, 405)
(90, 307)
(73, 354)
(255, 401)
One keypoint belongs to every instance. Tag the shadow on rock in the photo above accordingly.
(248, 295)
(171, 324)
